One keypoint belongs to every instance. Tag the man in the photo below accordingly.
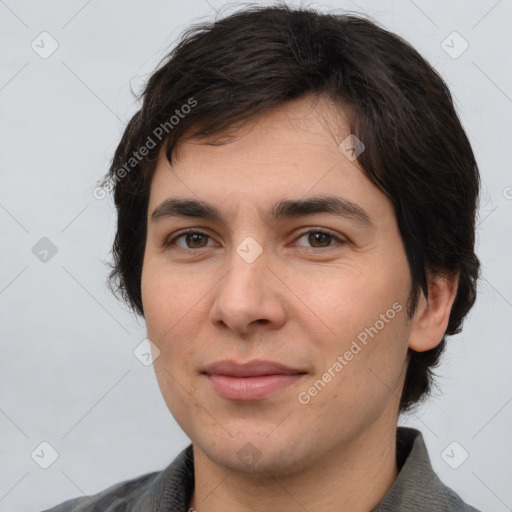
(296, 223)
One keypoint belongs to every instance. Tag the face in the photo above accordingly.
(320, 289)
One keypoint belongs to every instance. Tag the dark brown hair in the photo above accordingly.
(417, 152)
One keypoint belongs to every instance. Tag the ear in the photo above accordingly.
(431, 317)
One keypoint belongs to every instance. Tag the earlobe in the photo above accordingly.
(432, 316)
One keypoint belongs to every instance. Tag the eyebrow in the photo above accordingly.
(287, 208)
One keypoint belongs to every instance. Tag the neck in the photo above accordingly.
(354, 476)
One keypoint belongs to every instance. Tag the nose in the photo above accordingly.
(249, 295)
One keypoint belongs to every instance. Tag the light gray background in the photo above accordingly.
(69, 376)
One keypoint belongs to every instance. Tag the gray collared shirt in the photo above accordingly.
(416, 489)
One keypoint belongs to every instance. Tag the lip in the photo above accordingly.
(250, 369)
(254, 380)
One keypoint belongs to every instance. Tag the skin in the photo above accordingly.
(302, 302)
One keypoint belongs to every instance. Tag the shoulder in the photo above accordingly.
(117, 497)
(169, 489)
(417, 486)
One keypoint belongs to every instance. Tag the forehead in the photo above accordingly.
(290, 152)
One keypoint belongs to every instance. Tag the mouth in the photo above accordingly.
(254, 380)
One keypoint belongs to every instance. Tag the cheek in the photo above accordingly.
(359, 316)
(340, 302)
(173, 313)
(165, 297)
(165, 309)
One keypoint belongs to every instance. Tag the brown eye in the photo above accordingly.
(192, 240)
(195, 239)
(319, 239)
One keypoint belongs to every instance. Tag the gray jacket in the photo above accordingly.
(416, 489)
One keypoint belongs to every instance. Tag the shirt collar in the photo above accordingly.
(416, 484)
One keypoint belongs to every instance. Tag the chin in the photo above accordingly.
(258, 455)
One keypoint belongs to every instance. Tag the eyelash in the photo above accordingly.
(171, 242)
